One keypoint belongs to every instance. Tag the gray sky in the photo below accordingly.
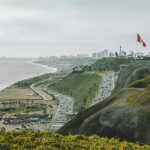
(32, 28)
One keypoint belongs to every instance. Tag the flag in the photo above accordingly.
(139, 39)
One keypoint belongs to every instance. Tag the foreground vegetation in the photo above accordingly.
(82, 86)
(36, 140)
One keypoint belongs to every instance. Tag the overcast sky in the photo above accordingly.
(32, 28)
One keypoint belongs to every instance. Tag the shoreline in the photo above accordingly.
(45, 66)
(8, 84)
(53, 66)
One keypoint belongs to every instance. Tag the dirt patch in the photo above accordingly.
(18, 94)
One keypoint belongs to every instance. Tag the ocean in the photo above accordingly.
(12, 71)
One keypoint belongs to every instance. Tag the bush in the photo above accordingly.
(45, 140)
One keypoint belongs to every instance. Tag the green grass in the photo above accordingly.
(140, 98)
(44, 140)
(142, 83)
(107, 64)
(28, 82)
(82, 86)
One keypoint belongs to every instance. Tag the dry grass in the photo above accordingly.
(12, 93)
(121, 98)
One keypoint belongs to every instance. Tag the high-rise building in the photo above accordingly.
(95, 55)
(100, 55)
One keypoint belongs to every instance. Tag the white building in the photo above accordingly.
(100, 55)
(122, 54)
(95, 55)
(135, 55)
(131, 54)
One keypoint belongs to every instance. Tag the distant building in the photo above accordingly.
(139, 55)
(131, 54)
(82, 55)
(122, 54)
(52, 57)
(111, 54)
(63, 57)
(135, 55)
(78, 68)
(116, 54)
(67, 57)
(95, 55)
(100, 55)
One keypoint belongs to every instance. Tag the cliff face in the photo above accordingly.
(126, 114)
(114, 117)
(132, 72)
(123, 122)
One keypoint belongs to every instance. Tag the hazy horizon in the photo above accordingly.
(67, 27)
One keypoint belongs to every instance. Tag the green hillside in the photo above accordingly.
(82, 86)
(125, 114)
(132, 72)
(140, 98)
(142, 83)
(27, 140)
(106, 64)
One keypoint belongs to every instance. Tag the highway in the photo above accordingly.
(106, 87)
(66, 104)
(47, 99)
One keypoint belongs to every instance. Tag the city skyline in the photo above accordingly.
(66, 27)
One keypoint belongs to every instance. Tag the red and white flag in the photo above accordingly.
(139, 39)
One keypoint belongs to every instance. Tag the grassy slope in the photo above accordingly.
(120, 114)
(134, 71)
(140, 99)
(82, 86)
(142, 83)
(117, 116)
(52, 141)
(109, 64)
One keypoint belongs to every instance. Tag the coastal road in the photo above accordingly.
(105, 88)
(51, 105)
(66, 105)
